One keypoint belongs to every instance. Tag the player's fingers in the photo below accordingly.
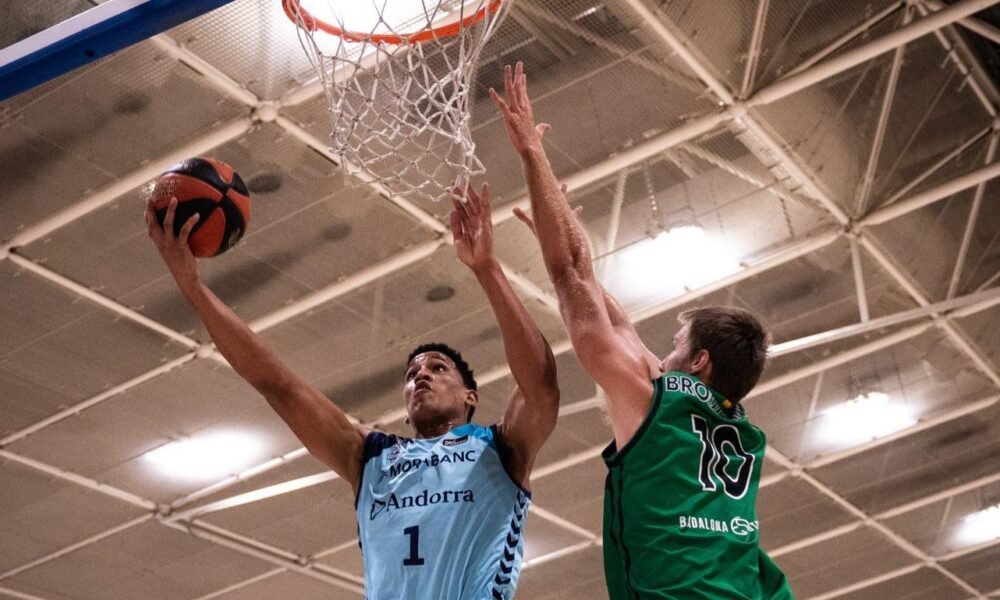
(456, 225)
(510, 91)
(484, 195)
(188, 226)
(541, 128)
(564, 188)
(168, 221)
(524, 218)
(501, 104)
(577, 211)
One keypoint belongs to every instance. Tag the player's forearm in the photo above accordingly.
(241, 347)
(529, 356)
(562, 240)
(565, 250)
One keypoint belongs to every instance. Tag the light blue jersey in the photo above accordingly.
(440, 518)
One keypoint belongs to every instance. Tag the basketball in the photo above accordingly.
(211, 189)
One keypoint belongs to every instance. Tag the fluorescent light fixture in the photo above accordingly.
(979, 527)
(867, 417)
(206, 456)
(685, 257)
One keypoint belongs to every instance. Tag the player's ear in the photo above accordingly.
(701, 364)
(471, 398)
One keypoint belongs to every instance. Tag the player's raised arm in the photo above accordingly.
(322, 427)
(616, 312)
(611, 359)
(531, 412)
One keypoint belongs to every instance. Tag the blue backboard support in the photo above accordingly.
(90, 35)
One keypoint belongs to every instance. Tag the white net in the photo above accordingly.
(397, 76)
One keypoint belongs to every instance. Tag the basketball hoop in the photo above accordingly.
(398, 89)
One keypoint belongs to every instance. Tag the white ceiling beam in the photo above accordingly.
(215, 77)
(77, 545)
(945, 324)
(95, 400)
(971, 222)
(934, 194)
(939, 164)
(859, 279)
(275, 556)
(753, 54)
(102, 301)
(80, 480)
(878, 140)
(852, 58)
(965, 61)
(976, 302)
(123, 185)
(860, 585)
(6, 591)
(848, 37)
(242, 476)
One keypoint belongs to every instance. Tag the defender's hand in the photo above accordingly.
(472, 227)
(525, 218)
(173, 249)
(517, 112)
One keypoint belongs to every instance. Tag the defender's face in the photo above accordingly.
(679, 358)
(433, 389)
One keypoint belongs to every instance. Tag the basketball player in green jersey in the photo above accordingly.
(684, 465)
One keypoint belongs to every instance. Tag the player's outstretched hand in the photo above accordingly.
(472, 226)
(173, 248)
(517, 112)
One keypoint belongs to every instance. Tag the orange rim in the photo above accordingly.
(451, 29)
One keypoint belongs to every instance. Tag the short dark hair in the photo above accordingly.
(737, 343)
(456, 357)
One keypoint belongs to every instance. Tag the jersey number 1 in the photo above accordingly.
(714, 459)
(414, 559)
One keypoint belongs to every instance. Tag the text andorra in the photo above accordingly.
(736, 525)
(424, 498)
(405, 466)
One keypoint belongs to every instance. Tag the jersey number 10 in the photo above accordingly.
(714, 460)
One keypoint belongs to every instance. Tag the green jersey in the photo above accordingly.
(679, 514)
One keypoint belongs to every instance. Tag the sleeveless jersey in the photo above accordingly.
(440, 518)
(679, 514)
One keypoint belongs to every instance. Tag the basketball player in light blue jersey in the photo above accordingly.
(440, 515)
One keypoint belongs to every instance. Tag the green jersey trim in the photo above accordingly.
(613, 457)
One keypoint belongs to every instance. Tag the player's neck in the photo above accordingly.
(433, 430)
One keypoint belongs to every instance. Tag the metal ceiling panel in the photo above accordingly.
(137, 89)
(348, 559)
(791, 510)
(575, 494)
(930, 461)
(577, 576)
(925, 376)
(288, 585)
(147, 561)
(793, 33)
(25, 19)
(979, 569)
(200, 397)
(841, 561)
(943, 527)
(48, 352)
(42, 514)
(305, 522)
(251, 41)
(923, 584)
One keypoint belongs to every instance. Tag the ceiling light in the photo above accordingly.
(683, 258)
(979, 527)
(867, 417)
(207, 456)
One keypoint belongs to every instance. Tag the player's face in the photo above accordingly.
(434, 389)
(679, 358)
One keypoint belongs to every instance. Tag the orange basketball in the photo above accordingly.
(211, 189)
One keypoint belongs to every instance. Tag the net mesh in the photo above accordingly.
(398, 87)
